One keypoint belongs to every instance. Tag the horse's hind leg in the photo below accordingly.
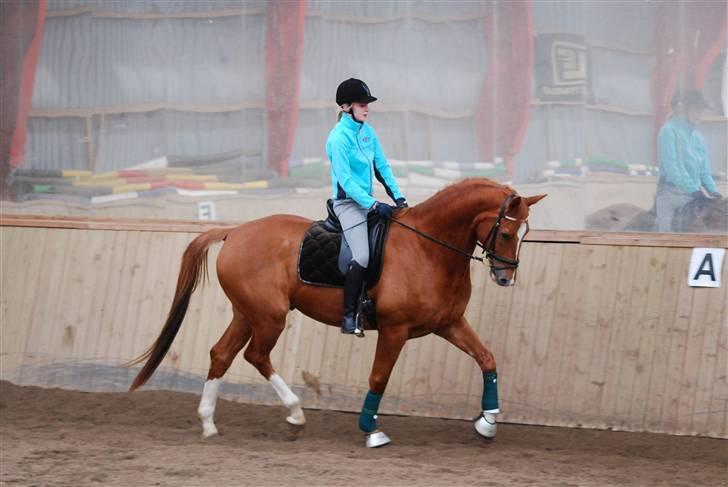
(221, 357)
(265, 336)
(462, 335)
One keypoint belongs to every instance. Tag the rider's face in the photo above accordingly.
(360, 111)
(694, 114)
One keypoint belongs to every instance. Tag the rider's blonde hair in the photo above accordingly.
(341, 110)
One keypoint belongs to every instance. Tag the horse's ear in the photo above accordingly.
(532, 200)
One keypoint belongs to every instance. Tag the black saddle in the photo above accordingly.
(324, 254)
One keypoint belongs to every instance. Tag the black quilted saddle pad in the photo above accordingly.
(319, 256)
(318, 259)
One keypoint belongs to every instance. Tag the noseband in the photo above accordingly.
(490, 241)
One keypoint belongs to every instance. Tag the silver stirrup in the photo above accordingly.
(377, 439)
(359, 330)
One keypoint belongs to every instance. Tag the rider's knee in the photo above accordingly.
(362, 260)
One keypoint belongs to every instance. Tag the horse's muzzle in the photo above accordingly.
(501, 278)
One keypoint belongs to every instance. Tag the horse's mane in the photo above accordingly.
(467, 187)
(708, 210)
(699, 205)
(703, 215)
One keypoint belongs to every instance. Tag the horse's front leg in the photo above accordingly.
(389, 344)
(462, 335)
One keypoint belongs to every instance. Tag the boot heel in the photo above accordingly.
(357, 329)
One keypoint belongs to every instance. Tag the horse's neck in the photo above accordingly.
(451, 218)
(714, 215)
(697, 207)
(703, 215)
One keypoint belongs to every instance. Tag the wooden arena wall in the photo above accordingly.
(600, 331)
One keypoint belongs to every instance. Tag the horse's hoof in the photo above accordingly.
(296, 419)
(209, 432)
(485, 425)
(377, 439)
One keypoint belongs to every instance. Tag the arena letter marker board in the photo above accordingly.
(705, 267)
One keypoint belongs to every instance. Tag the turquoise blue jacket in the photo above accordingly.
(683, 156)
(356, 158)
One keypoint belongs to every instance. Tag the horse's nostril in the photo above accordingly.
(502, 280)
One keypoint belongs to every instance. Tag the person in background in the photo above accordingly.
(356, 154)
(683, 159)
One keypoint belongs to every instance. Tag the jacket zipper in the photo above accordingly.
(371, 183)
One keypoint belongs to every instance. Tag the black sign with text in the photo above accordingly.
(563, 68)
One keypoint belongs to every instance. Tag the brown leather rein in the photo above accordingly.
(490, 241)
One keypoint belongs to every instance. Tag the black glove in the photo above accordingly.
(716, 195)
(401, 203)
(382, 209)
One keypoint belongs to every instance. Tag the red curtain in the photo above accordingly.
(285, 22)
(689, 36)
(21, 33)
(503, 108)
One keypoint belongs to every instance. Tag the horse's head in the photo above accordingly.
(500, 234)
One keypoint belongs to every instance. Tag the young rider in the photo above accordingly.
(683, 158)
(356, 157)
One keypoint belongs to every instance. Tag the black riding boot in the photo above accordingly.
(352, 290)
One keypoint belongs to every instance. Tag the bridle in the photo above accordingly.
(488, 247)
(490, 240)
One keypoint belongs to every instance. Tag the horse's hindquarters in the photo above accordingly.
(256, 266)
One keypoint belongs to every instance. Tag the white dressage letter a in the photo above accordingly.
(706, 268)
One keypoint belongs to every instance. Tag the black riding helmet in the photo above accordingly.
(353, 90)
(688, 98)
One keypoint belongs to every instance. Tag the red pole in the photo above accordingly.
(285, 23)
(503, 110)
(27, 79)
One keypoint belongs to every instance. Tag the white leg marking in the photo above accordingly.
(206, 410)
(290, 400)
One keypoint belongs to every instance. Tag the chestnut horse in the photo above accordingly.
(424, 288)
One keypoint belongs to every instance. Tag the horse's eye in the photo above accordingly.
(506, 236)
